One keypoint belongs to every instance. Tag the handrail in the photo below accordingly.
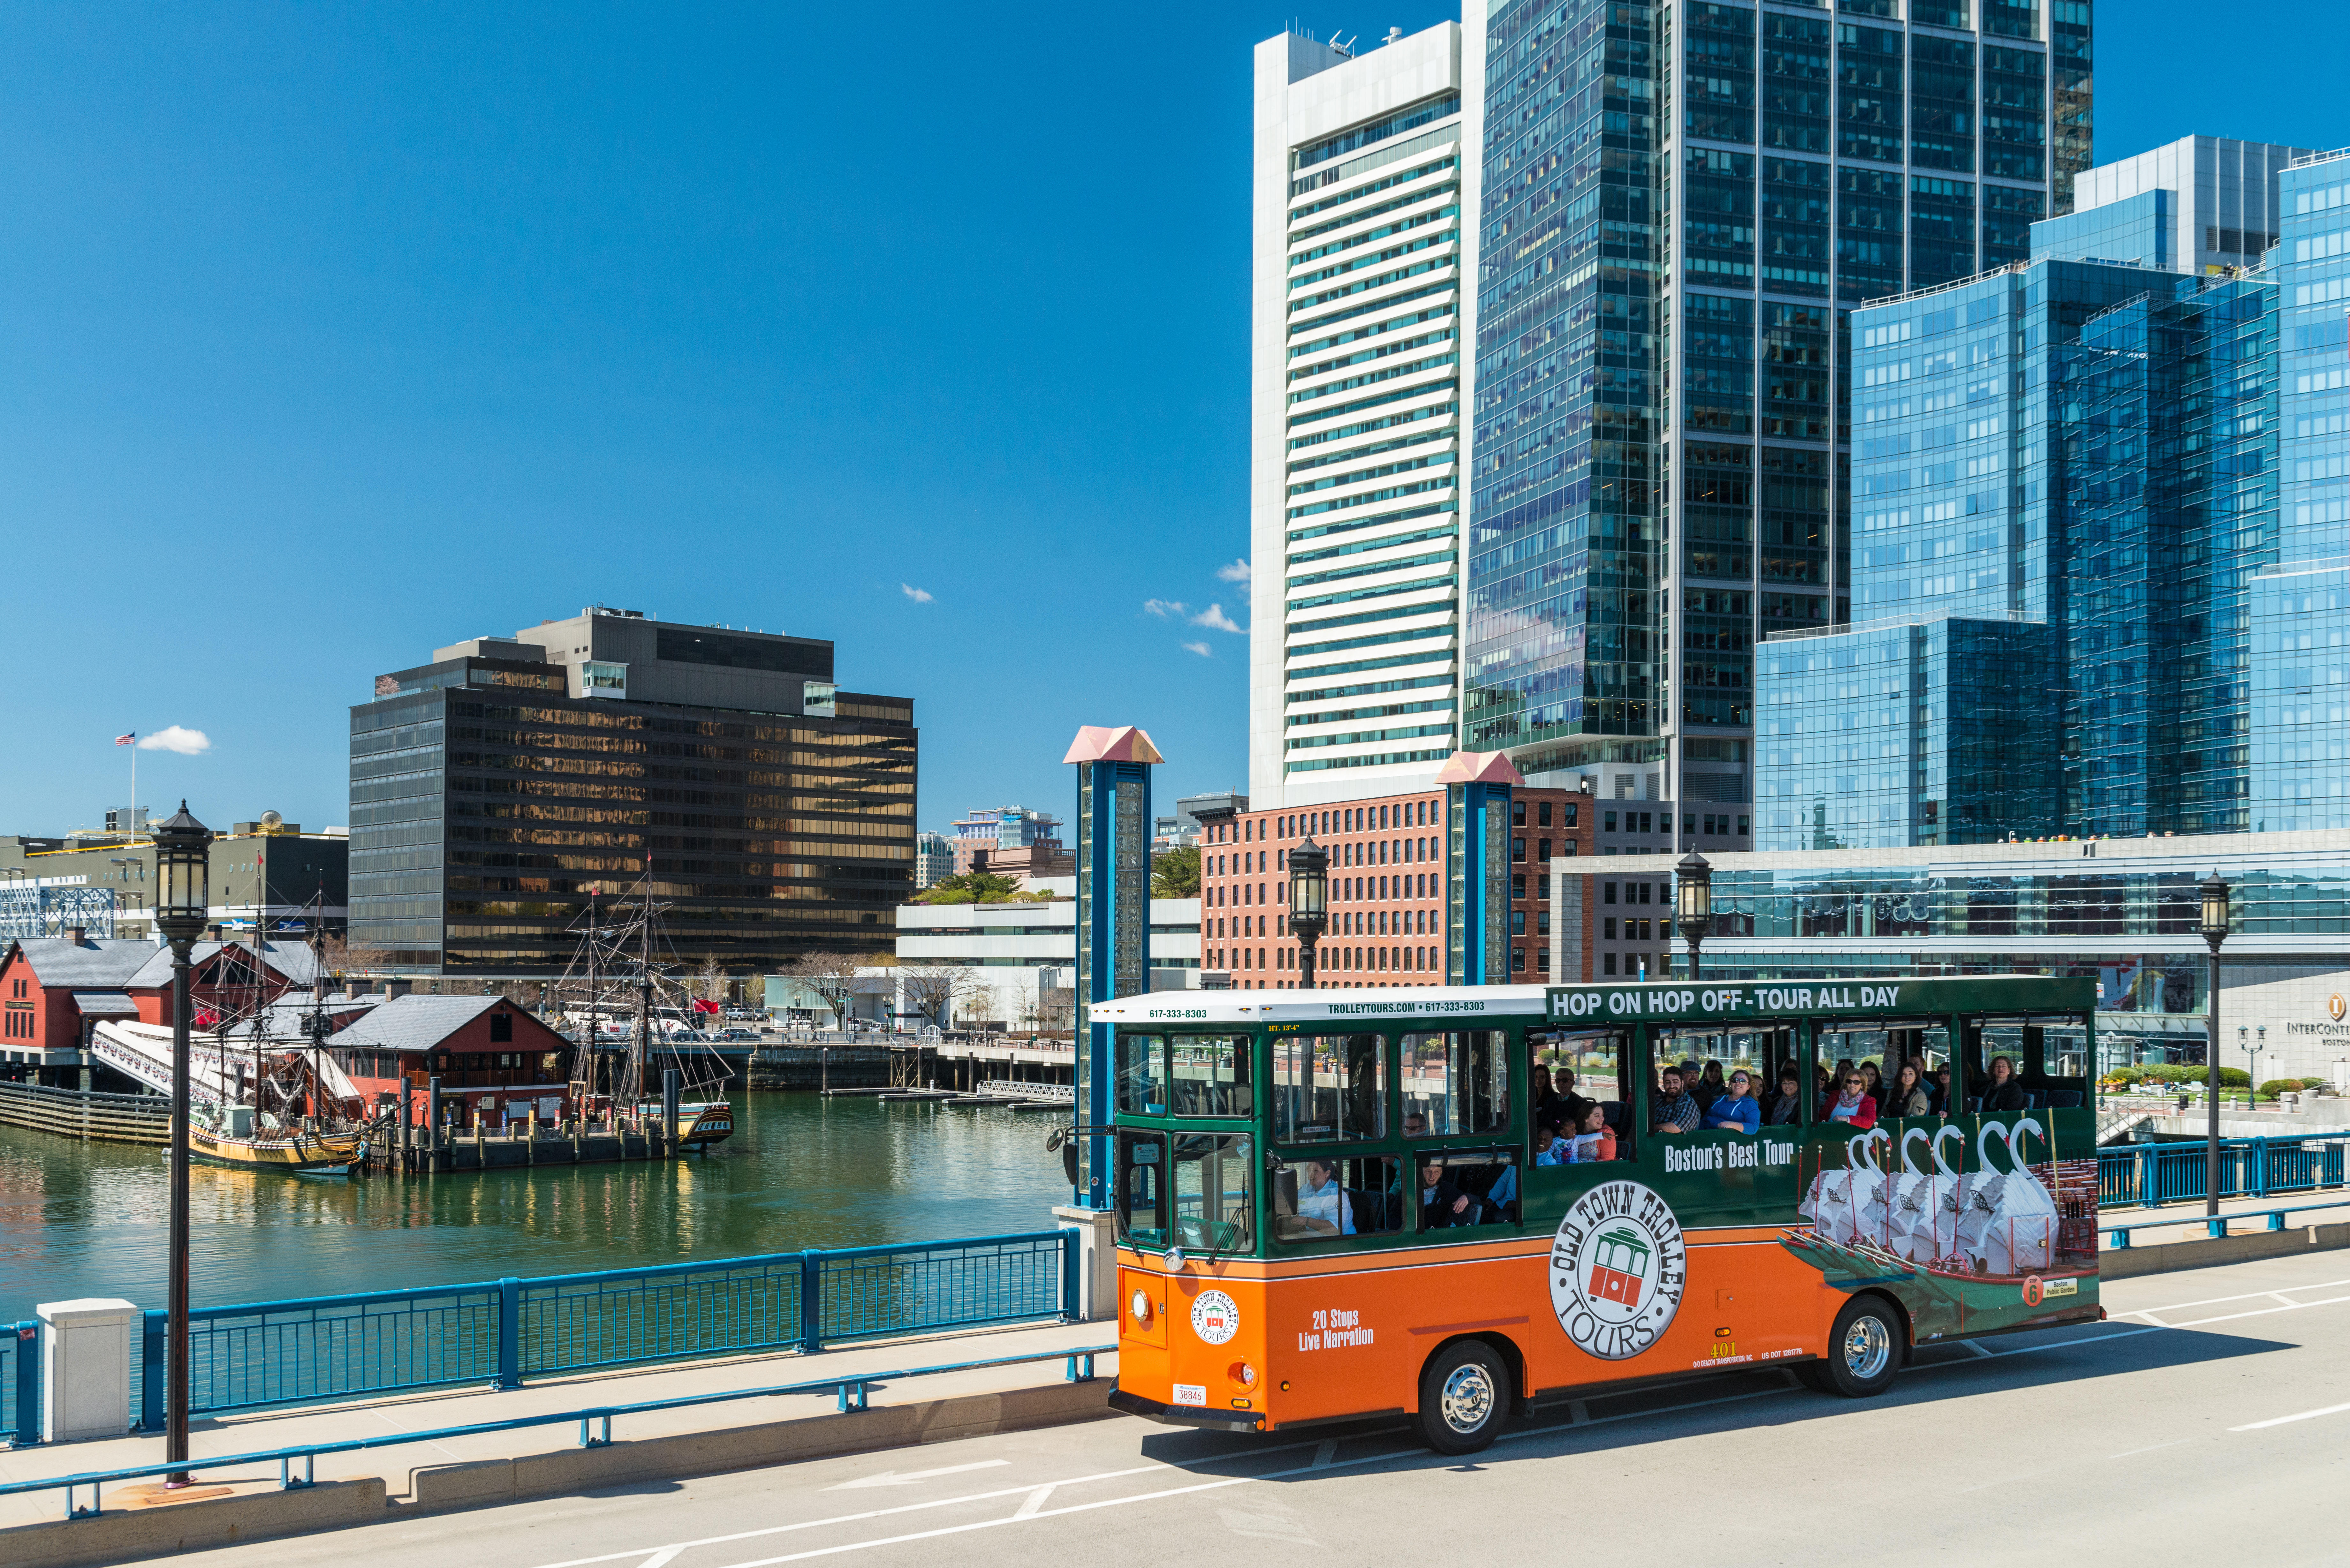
(2216, 1225)
(861, 1383)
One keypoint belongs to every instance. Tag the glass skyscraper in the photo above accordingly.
(1682, 204)
(2300, 612)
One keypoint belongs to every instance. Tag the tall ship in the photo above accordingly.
(263, 1091)
(633, 1022)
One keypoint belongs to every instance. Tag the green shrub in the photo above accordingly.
(2276, 1087)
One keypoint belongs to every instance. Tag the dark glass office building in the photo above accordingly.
(494, 787)
(1681, 204)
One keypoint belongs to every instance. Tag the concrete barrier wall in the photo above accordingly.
(2206, 1251)
(138, 1534)
(135, 1533)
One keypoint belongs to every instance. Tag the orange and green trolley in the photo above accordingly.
(1343, 1203)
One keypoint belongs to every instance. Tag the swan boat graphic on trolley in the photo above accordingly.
(1968, 1251)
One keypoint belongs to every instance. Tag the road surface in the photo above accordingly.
(2208, 1420)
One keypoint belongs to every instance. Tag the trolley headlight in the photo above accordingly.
(1140, 1307)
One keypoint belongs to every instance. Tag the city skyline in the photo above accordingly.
(384, 335)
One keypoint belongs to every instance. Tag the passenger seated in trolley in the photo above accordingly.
(1323, 1206)
(1676, 1112)
(1736, 1111)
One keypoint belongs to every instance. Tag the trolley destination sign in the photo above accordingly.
(1689, 1002)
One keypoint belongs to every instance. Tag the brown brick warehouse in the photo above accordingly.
(1387, 888)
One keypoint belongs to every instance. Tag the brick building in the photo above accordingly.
(1387, 870)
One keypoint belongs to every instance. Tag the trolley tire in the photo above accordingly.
(1864, 1350)
(1465, 1398)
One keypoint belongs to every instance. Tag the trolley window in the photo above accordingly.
(1329, 1089)
(1142, 1075)
(1142, 1188)
(1210, 1181)
(1456, 1082)
(1210, 1076)
(1329, 1195)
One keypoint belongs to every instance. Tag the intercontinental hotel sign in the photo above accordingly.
(2334, 1028)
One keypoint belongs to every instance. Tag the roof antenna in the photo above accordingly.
(1395, 35)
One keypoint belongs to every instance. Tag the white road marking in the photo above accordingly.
(1325, 1454)
(1036, 1501)
(638, 1553)
(2223, 1301)
(660, 1559)
(2256, 1311)
(1577, 1412)
(2288, 1420)
(1977, 1347)
(893, 1478)
(2134, 1453)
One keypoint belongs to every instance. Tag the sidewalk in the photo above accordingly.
(547, 1460)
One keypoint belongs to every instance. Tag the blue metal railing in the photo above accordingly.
(20, 1382)
(595, 1427)
(2216, 1226)
(2150, 1174)
(504, 1332)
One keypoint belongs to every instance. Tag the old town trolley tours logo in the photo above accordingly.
(1617, 1270)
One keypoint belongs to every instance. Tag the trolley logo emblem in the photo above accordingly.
(1618, 1270)
(1215, 1317)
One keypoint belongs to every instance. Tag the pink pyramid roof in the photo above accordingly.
(1478, 767)
(1112, 743)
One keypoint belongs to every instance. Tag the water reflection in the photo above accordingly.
(91, 1219)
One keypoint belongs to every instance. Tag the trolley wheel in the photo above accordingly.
(1864, 1351)
(1465, 1398)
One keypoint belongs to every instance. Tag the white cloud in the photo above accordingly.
(1165, 610)
(1236, 572)
(1214, 618)
(1201, 649)
(187, 743)
(919, 596)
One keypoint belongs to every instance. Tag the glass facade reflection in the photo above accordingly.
(2301, 612)
(1683, 202)
(487, 802)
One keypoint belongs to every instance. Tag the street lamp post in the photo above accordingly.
(1309, 902)
(2215, 931)
(1693, 902)
(2251, 1049)
(183, 896)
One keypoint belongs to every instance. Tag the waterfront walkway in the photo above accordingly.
(497, 1467)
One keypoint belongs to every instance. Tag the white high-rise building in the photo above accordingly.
(1365, 240)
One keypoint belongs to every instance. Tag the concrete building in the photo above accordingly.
(1041, 937)
(1364, 196)
(493, 787)
(1681, 206)
(933, 858)
(263, 873)
(1012, 841)
(2121, 911)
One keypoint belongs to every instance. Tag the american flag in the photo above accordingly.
(125, 739)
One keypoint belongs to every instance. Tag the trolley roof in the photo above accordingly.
(1727, 1004)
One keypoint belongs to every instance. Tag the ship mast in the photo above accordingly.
(640, 1049)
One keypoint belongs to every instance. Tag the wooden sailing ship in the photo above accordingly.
(631, 1023)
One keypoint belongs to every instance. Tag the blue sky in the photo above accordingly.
(335, 333)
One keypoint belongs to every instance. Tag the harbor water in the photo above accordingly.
(92, 1220)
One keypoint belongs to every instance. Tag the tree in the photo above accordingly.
(831, 975)
(710, 983)
(976, 888)
(1175, 873)
(980, 1004)
(932, 989)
